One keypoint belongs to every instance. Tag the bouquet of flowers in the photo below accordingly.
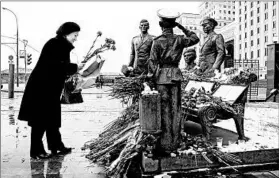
(85, 78)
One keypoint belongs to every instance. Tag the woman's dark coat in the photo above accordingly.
(40, 104)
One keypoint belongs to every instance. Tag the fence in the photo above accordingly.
(256, 89)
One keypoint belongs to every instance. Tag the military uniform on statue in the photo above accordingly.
(165, 56)
(140, 51)
(212, 52)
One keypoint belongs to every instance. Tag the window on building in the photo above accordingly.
(265, 15)
(245, 16)
(239, 56)
(265, 51)
(239, 11)
(252, 43)
(258, 30)
(274, 24)
(258, 41)
(245, 25)
(239, 2)
(251, 13)
(225, 6)
(224, 11)
(251, 4)
(265, 39)
(258, 19)
(225, 18)
(265, 27)
(239, 19)
(258, 10)
(252, 22)
(225, 24)
(245, 55)
(245, 35)
(233, 18)
(239, 46)
(245, 8)
(258, 2)
(233, 12)
(258, 53)
(229, 12)
(265, 64)
(245, 44)
(274, 3)
(274, 12)
(229, 6)
(252, 33)
(265, 5)
(252, 54)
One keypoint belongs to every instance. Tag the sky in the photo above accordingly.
(38, 22)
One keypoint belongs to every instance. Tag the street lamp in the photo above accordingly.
(25, 65)
(4, 8)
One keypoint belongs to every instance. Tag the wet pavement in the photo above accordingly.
(80, 123)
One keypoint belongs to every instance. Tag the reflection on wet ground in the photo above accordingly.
(80, 123)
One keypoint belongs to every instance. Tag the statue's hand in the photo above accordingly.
(179, 25)
(130, 68)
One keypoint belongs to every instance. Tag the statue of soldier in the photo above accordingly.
(165, 56)
(212, 52)
(189, 58)
(141, 46)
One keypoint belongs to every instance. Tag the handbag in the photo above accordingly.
(69, 94)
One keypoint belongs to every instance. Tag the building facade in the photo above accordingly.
(222, 12)
(257, 26)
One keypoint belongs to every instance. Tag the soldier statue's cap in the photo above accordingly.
(168, 14)
(215, 23)
(190, 51)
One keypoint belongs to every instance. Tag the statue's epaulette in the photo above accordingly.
(153, 36)
(135, 36)
(157, 37)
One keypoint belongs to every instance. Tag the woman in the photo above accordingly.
(40, 105)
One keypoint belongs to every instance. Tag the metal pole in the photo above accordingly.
(11, 81)
(17, 61)
(25, 65)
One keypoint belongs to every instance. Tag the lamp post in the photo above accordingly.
(25, 65)
(17, 62)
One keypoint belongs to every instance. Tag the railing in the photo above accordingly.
(253, 66)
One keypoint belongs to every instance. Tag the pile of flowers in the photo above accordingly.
(227, 76)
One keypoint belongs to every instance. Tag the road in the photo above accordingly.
(80, 123)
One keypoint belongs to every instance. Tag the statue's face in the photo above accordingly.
(207, 26)
(144, 27)
(189, 57)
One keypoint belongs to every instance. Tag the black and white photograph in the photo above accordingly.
(139, 89)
